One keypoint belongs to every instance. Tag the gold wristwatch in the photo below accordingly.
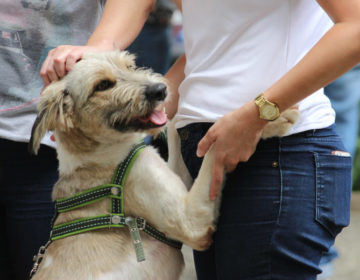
(268, 111)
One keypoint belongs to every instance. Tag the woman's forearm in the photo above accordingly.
(174, 78)
(337, 52)
(121, 22)
(178, 4)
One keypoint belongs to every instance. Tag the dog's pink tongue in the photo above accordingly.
(157, 117)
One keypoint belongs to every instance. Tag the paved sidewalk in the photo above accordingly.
(346, 267)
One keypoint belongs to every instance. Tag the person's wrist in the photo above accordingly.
(104, 45)
(250, 113)
(254, 112)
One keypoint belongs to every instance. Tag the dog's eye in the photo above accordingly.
(104, 85)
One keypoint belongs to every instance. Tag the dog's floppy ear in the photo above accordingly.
(54, 111)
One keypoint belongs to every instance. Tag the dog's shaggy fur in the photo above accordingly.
(97, 113)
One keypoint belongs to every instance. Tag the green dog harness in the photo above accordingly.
(116, 218)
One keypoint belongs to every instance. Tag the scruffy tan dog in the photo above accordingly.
(98, 112)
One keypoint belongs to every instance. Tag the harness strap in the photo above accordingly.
(89, 196)
(135, 238)
(124, 167)
(120, 175)
(108, 221)
(86, 224)
(116, 218)
(161, 237)
(113, 190)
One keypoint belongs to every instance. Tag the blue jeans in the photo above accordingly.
(26, 208)
(280, 210)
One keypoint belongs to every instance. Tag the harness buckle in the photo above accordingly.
(116, 220)
(141, 223)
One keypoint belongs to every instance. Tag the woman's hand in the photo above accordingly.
(62, 59)
(120, 24)
(234, 137)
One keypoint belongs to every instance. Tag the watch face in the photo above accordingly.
(268, 111)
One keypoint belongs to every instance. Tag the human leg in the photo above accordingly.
(267, 228)
(25, 191)
(247, 220)
(344, 94)
(204, 261)
(5, 271)
(329, 199)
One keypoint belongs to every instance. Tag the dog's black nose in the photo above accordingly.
(156, 91)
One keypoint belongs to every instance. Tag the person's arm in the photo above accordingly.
(236, 135)
(174, 77)
(336, 53)
(121, 22)
(178, 4)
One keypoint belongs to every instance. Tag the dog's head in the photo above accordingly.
(104, 96)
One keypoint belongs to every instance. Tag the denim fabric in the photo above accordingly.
(280, 210)
(26, 208)
(344, 94)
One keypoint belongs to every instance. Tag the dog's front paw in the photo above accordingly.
(203, 242)
(281, 125)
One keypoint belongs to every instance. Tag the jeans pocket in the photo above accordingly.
(333, 191)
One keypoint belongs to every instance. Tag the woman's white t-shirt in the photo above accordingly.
(236, 49)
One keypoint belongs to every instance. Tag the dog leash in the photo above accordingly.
(115, 219)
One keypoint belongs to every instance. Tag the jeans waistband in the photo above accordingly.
(202, 128)
(321, 132)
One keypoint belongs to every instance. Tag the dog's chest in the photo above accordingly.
(162, 262)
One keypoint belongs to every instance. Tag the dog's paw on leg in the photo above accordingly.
(281, 125)
(204, 241)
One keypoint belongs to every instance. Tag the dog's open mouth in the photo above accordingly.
(155, 118)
